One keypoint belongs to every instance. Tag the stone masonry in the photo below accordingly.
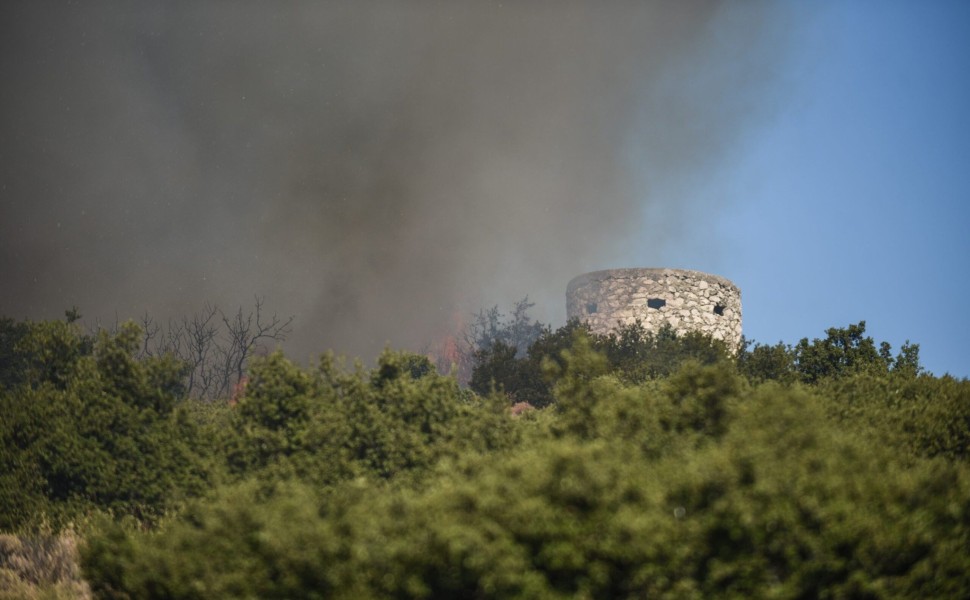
(687, 300)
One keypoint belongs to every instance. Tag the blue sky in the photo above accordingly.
(850, 201)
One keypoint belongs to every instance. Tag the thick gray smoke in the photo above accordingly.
(373, 168)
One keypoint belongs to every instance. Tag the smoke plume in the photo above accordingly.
(371, 167)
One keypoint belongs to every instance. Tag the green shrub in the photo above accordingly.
(328, 425)
(917, 415)
(96, 430)
(773, 498)
(632, 354)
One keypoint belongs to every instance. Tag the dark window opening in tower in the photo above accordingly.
(719, 310)
(591, 308)
(656, 303)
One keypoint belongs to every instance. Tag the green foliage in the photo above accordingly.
(275, 410)
(491, 327)
(404, 364)
(508, 357)
(91, 427)
(844, 352)
(580, 388)
(632, 353)
(778, 501)
(49, 352)
(13, 363)
(496, 367)
(921, 416)
(761, 362)
(638, 355)
(328, 425)
(790, 505)
(689, 408)
(523, 379)
(700, 398)
(663, 466)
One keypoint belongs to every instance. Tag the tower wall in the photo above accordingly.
(687, 300)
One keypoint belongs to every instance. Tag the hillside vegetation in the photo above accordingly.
(642, 465)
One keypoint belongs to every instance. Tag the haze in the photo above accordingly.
(380, 170)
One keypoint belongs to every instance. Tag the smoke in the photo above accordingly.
(370, 167)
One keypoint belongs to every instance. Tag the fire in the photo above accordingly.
(451, 350)
(238, 390)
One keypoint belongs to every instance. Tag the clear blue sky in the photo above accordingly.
(851, 201)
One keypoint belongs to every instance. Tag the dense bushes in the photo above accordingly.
(719, 490)
(328, 424)
(924, 416)
(843, 352)
(91, 428)
(632, 353)
(660, 466)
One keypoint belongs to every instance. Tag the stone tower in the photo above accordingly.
(687, 300)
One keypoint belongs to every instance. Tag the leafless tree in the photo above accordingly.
(214, 347)
(150, 342)
(199, 334)
(243, 337)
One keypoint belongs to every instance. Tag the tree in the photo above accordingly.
(773, 498)
(522, 378)
(93, 427)
(843, 350)
(215, 346)
(245, 335)
(847, 350)
(13, 362)
(761, 362)
(491, 326)
(633, 354)
(328, 424)
(49, 350)
(638, 355)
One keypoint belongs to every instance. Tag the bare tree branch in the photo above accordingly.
(245, 335)
(215, 351)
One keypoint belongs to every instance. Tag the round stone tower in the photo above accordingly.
(687, 300)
